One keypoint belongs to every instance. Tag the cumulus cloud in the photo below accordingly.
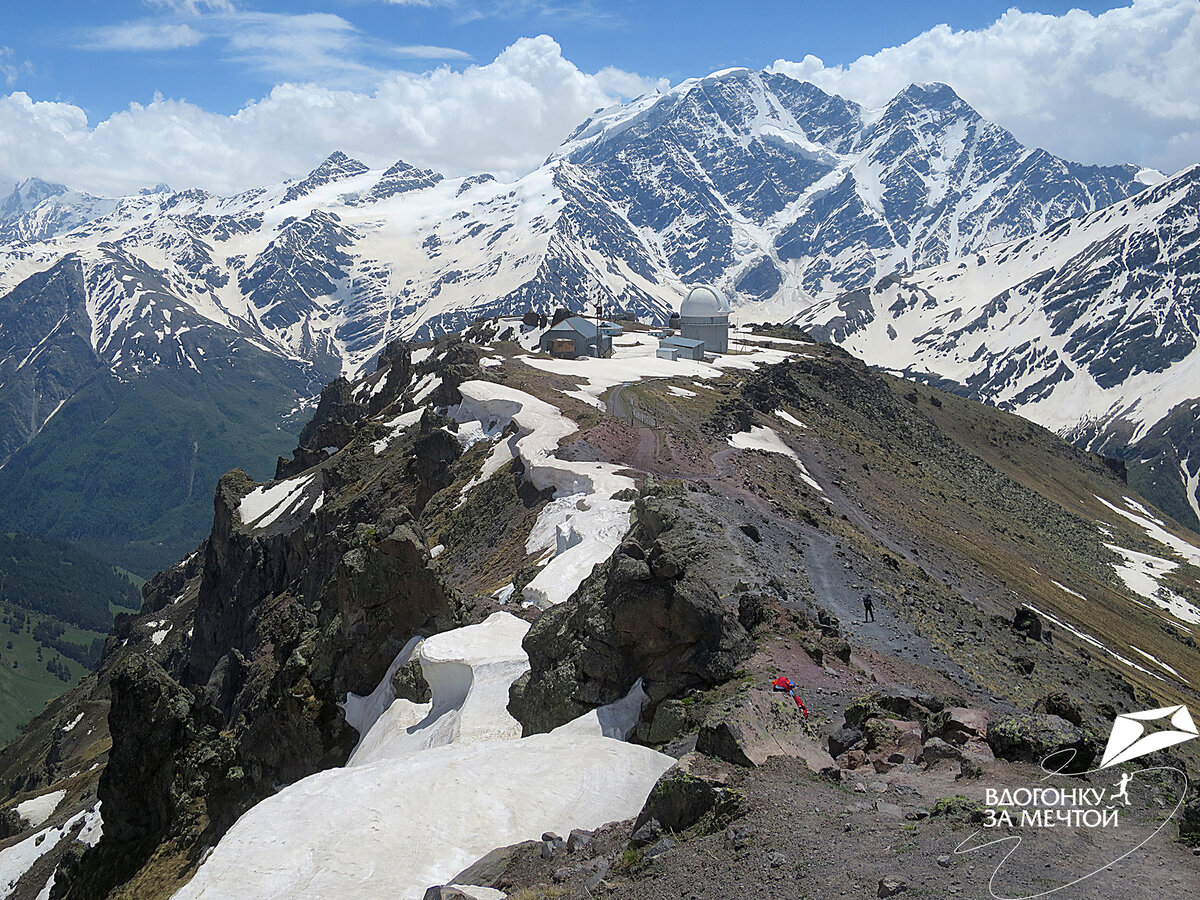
(1115, 87)
(504, 117)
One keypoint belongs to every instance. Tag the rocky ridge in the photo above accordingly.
(976, 531)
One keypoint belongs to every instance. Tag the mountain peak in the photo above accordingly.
(26, 195)
(336, 167)
(337, 161)
(934, 94)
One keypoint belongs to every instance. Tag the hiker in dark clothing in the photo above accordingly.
(869, 608)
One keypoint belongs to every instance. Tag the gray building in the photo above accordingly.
(575, 337)
(685, 348)
(704, 316)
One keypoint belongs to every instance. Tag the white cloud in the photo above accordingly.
(504, 117)
(10, 69)
(194, 7)
(143, 36)
(312, 46)
(428, 51)
(1109, 88)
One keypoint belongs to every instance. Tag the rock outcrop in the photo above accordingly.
(648, 612)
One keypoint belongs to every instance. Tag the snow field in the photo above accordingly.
(1142, 573)
(406, 813)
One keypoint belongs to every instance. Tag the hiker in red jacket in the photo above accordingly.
(784, 685)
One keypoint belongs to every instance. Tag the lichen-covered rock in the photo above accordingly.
(1062, 705)
(680, 799)
(1035, 737)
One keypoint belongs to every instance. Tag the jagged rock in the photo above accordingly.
(578, 840)
(334, 419)
(959, 725)
(1028, 623)
(552, 845)
(446, 892)
(1033, 737)
(1189, 821)
(489, 869)
(409, 683)
(750, 728)
(887, 736)
(899, 702)
(937, 750)
(890, 887)
(661, 847)
(653, 618)
(680, 799)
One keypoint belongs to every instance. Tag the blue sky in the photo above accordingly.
(225, 94)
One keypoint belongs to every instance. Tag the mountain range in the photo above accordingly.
(150, 334)
(1089, 327)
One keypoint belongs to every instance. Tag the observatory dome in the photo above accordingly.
(704, 302)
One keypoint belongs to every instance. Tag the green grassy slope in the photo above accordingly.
(126, 469)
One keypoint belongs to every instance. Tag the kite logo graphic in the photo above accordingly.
(1129, 739)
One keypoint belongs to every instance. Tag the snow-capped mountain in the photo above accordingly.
(759, 183)
(1089, 327)
(36, 210)
(773, 188)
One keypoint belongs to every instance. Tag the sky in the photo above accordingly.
(229, 94)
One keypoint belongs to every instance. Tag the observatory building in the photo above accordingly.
(704, 316)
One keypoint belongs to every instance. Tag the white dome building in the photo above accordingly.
(704, 316)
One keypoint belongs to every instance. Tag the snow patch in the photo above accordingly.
(396, 427)
(760, 437)
(264, 505)
(789, 418)
(37, 810)
(583, 524)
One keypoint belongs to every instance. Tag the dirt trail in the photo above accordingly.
(839, 590)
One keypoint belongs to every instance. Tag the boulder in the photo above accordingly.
(899, 703)
(845, 738)
(959, 725)
(1028, 623)
(1033, 737)
(681, 799)
(752, 727)
(892, 742)
(669, 721)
